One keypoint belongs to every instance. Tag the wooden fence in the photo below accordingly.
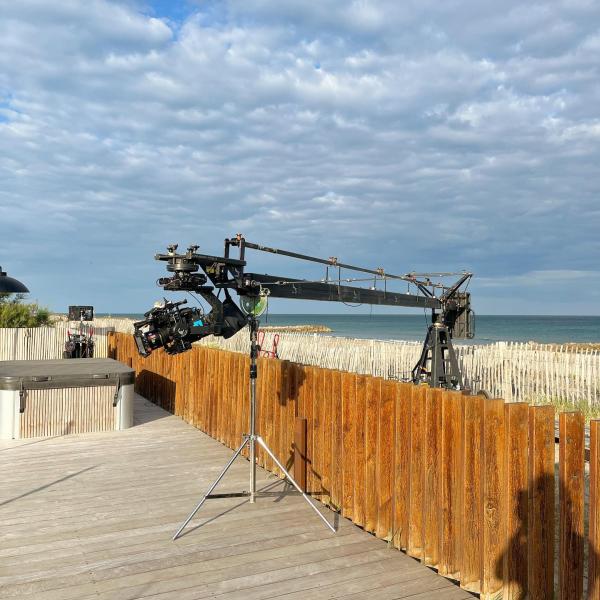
(44, 343)
(467, 485)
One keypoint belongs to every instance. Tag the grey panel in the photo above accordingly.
(76, 372)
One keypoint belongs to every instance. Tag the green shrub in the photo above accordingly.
(15, 313)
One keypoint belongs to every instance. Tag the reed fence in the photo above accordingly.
(44, 343)
(520, 372)
(467, 485)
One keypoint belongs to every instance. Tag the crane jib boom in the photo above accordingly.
(280, 287)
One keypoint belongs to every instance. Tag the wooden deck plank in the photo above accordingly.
(91, 516)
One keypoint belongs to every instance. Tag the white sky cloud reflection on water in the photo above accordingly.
(413, 135)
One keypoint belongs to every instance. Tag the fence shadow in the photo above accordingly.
(156, 388)
(512, 566)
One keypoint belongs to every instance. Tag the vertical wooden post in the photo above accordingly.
(219, 405)
(571, 480)
(223, 391)
(260, 407)
(212, 393)
(327, 436)
(206, 391)
(594, 522)
(266, 429)
(373, 393)
(385, 460)
(348, 441)
(230, 400)
(316, 465)
(287, 415)
(517, 500)
(276, 401)
(198, 398)
(435, 464)
(309, 394)
(402, 461)
(240, 426)
(494, 500)
(337, 463)
(246, 401)
(359, 451)
(471, 566)
(113, 341)
(300, 453)
(193, 387)
(290, 417)
(190, 396)
(540, 518)
(451, 478)
(417, 463)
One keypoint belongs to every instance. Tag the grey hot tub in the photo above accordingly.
(57, 397)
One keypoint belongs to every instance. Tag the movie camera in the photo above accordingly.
(167, 326)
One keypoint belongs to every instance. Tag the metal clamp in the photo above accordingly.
(117, 390)
(22, 396)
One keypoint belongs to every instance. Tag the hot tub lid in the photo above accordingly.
(63, 373)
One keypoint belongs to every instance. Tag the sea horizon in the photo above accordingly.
(555, 329)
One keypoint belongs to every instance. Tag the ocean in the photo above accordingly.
(489, 328)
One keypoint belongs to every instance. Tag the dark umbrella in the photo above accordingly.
(9, 285)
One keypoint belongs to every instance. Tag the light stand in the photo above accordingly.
(250, 440)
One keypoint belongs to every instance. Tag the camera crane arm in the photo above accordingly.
(175, 328)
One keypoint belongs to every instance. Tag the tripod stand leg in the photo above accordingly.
(291, 480)
(210, 489)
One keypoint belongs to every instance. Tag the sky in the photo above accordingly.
(413, 136)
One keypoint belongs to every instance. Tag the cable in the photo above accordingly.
(355, 279)
(425, 316)
(198, 301)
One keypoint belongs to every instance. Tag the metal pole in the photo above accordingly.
(252, 434)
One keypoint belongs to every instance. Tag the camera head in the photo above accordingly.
(174, 328)
(184, 268)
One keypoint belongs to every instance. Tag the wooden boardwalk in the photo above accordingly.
(91, 516)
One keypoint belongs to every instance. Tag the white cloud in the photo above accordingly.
(417, 135)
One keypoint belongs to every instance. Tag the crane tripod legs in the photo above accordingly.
(251, 440)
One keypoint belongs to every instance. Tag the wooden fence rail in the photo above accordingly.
(465, 484)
